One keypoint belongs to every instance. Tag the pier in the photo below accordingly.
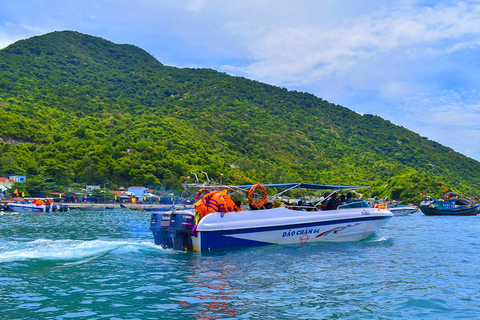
(103, 206)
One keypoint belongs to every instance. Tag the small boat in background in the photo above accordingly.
(399, 209)
(33, 205)
(452, 204)
(395, 207)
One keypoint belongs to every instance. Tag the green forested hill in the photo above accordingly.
(80, 109)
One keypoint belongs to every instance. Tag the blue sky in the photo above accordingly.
(415, 63)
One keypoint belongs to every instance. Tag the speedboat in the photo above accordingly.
(399, 209)
(452, 204)
(29, 205)
(218, 222)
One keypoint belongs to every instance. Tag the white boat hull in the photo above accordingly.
(284, 226)
(27, 208)
(403, 211)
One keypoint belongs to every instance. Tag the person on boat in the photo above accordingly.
(349, 198)
(322, 205)
(301, 205)
(238, 203)
(425, 203)
(342, 199)
(268, 205)
(333, 202)
(277, 204)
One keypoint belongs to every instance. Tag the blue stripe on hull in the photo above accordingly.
(221, 240)
(211, 240)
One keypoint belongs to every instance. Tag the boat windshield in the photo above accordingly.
(355, 204)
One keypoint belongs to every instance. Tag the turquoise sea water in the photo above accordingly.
(103, 265)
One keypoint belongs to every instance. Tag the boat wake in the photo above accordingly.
(67, 250)
(379, 241)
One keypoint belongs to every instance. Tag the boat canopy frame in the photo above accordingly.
(242, 189)
(302, 186)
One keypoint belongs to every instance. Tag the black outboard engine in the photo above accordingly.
(173, 229)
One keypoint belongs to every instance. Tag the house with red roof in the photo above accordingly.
(120, 195)
(6, 182)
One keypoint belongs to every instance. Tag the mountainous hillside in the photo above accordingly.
(77, 109)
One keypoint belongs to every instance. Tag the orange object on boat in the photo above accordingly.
(215, 201)
(251, 192)
(200, 193)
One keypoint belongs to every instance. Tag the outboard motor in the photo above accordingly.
(173, 229)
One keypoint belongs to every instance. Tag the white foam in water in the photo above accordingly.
(64, 249)
(379, 239)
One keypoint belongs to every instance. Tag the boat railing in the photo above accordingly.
(302, 208)
(355, 205)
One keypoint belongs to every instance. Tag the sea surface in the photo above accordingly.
(104, 265)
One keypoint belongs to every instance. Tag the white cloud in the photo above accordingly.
(195, 5)
(7, 37)
(449, 117)
(5, 40)
(28, 29)
(295, 55)
(392, 62)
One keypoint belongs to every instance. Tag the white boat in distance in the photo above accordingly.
(29, 205)
(281, 225)
(395, 207)
(401, 210)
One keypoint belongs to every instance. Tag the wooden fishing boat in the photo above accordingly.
(452, 204)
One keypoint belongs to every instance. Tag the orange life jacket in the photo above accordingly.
(215, 201)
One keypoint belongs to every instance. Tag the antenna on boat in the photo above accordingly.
(196, 177)
(208, 180)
